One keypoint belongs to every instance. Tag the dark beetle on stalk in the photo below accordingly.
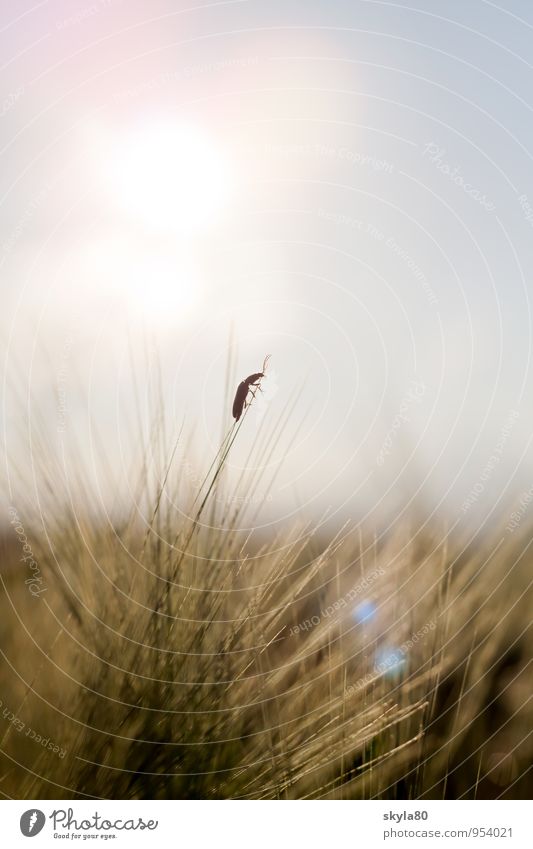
(244, 387)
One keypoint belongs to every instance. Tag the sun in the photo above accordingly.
(170, 176)
(173, 181)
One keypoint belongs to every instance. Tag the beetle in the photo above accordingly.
(245, 386)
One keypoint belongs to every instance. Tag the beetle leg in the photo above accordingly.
(252, 392)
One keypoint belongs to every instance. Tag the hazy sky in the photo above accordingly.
(347, 184)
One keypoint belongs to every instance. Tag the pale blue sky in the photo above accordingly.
(353, 190)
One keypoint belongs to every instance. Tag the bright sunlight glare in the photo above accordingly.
(169, 176)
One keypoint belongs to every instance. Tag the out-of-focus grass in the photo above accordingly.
(188, 660)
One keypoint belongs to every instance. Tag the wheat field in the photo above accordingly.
(187, 656)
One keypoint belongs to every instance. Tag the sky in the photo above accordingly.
(346, 186)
